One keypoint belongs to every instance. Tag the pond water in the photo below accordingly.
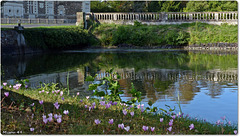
(207, 84)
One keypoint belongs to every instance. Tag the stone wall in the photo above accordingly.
(214, 46)
(13, 43)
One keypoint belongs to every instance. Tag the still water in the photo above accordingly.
(207, 84)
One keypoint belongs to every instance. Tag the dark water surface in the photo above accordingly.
(206, 83)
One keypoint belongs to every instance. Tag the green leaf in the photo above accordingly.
(89, 78)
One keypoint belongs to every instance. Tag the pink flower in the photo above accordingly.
(32, 105)
(55, 116)
(56, 105)
(41, 102)
(32, 129)
(173, 117)
(87, 97)
(85, 106)
(66, 112)
(97, 121)
(169, 129)
(152, 129)
(127, 128)
(61, 93)
(77, 93)
(229, 122)
(121, 126)
(145, 128)
(218, 122)
(6, 94)
(110, 121)
(223, 118)
(132, 113)
(5, 83)
(235, 132)
(161, 119)
(191, 126)
(59, 120)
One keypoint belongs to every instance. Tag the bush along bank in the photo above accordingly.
(58, 37)
(168, 36)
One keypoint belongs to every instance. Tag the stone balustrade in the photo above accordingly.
(167, 17)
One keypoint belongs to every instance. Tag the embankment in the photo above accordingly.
(190, 36)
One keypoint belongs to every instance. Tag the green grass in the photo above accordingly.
(16, 116)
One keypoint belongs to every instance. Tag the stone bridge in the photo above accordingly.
(158, 18)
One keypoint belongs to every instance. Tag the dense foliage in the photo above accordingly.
(162, 6)
(159, 35)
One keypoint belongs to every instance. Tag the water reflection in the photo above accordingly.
(199, 78)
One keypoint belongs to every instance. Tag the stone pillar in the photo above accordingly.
(216, 16)
(191, 16)
(114, 16)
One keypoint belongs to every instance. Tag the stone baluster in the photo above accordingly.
(216, 16)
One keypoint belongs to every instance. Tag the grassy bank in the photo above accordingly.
(155, 35)
(74, 37)
(35, 111)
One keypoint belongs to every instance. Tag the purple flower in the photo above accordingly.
(169, 129)
(145, 128)
(171, 122)
(110, 121)
(161, 119)
(1, 87)
(138, 106)
(127, 128)
(6, 94)
(5, 83)
(121, 126)
(59, 116)
(45, 120)
(55, 116)
(173, 117)
(59, 120)
(52, 91)
(56, 105)
(87, 97)
(62, 98)
(61, 93)
(32, 129)
(191, 126)
(142, 109)
(80, 100)
(40, 92)
(41, 102)
(85, 106)
(102, 103)
(115, 103)
(90, 108)
(77, 93)
(132, 113)
(93, 104)
(223, 118)
(26, 86)
(235, 132)
(152, 129)
(97, 121)
(44, 116)
(66, 112)
(124, 112)
(107, 105)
